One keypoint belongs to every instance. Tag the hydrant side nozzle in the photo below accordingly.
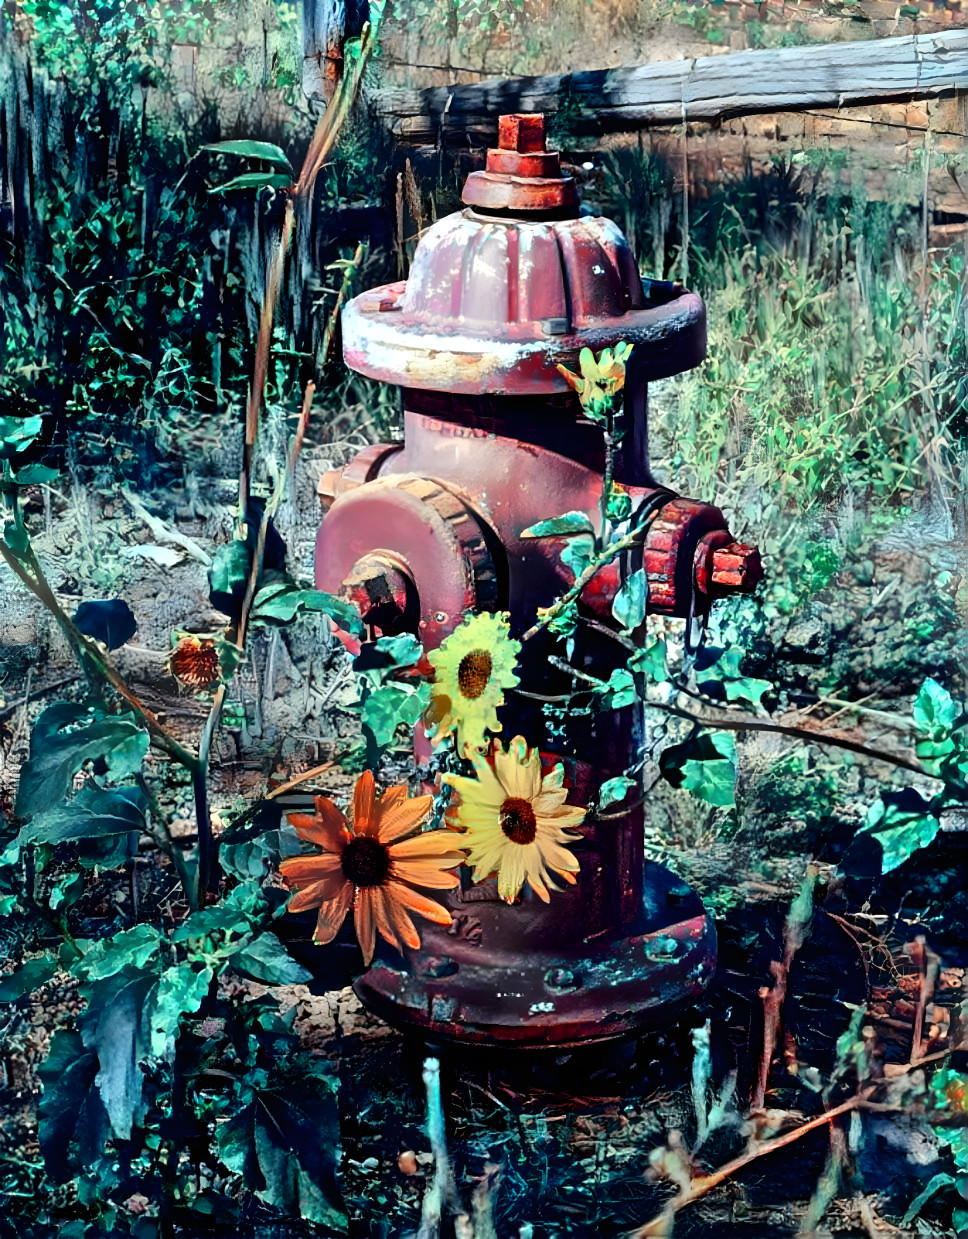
(723, 566)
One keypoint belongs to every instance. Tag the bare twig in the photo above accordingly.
(701, 1185)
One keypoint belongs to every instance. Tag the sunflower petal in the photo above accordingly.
(332, 914)
(426, 873)
(429, 845)
(365, 819)
(301, 870)
(317, 893)
(427, 908)
(402, 931)
(403, 818)
(327, 826)
(364, 920)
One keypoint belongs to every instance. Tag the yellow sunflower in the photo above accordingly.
(370, 866)
(472, 668)
(515, 822)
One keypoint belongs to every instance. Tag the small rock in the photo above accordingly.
(407, 1162)
(370, 1163)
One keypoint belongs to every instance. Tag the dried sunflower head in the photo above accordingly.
(194, 661)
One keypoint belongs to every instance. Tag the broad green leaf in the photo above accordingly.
(391, 705)
(251, 859)
(285, 1143)
(110, 622)
(265, 959)
(712, 781)
(72, 1122)
(619, 690)
(631, 601)
(613, 791)
(247, 149)
(902, 823)
(17, 434)
(283, 602)
(15, 536)
(66, 892)
(109, 956)
(63, 738)
(619, 505)
(402, 651)
(254, 180)
(935, 710)
(180, 990)
(651, 661)
(93, 813)
(116, 1027)
(560, 526)
(577, 553)
(230, 567)
(33, 974)
(747, 688)
(35, 474)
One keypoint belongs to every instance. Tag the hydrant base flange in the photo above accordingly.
(558, 997)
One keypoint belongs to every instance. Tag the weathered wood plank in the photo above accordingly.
(706, 88)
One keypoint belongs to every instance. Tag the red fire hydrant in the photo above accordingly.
(421, 533)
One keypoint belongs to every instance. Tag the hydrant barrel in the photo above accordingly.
(420, 534)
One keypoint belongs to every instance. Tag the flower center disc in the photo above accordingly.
(473, 673)
(517, 820)
(365, 861)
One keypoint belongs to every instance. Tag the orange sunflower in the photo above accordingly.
(372, 866)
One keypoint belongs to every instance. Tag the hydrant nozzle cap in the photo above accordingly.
(522, 176)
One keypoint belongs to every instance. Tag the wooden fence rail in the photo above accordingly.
(706, 88)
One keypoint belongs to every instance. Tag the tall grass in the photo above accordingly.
(837, 346)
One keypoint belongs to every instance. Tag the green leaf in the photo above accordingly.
(631, 601)
(747, 688)
(935, 710)
(35, 474)
(247, 149)
(33, 974)
(402, 651)
(267, 960)
(283, 602)
(902, 823)
(251, 859)
(619, 690)
(934, 1185)
(253, 180)
(116, 1027)
(391, 705)
(613, 791)
(17, 434)
(712, 781)
(63, 738)
(16, 538)
(66, 892)
(578, 552)
(704, 765)
(72, 1122)
(285, 1144)
(651, 661)
(109, 956)
(230, 567)
(560, 526)
(93, 813)
(180, 990)
(111, 621)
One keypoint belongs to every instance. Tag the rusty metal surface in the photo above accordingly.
(492, 305)
(522, 176)
(419, 534)
(495, 975)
